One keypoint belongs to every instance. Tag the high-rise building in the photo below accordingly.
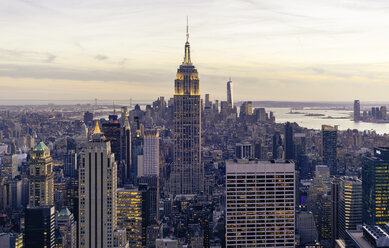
(125, 147)
(375, 182)
(8, 166)
(67, 228)
(41, 177)
(329, 150)
(230, 95)
(187, 171)
(289, 144)
(88, 118)
(334, 210)
(129, 214)
(151, 153)
(136, 152)
(246, 109)
(208, 102)
(260, 210)
(150, 185)
(306, 228)
(112, 133)
(383, 112)
(39, 227)
(70, 164)
(97, 193)
(277, 146)
(357, 110)
(350, 205)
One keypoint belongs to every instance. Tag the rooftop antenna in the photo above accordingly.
(187, 28)
(114, 108)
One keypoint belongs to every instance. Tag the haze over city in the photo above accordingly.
(273, 50)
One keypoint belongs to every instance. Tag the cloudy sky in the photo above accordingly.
(300, 50)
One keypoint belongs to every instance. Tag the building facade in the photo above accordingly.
(97, 193)
(39, 227)
(329, 149)
(375, 184)
(41, 177)
(260, 209)
(151, 153)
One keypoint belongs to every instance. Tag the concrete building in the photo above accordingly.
(350, 205)
(97, 193)
(67, 228)
(260, 204)
(41, 177)
(151, 153)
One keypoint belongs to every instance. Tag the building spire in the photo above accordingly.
(97, 128)
(187, 29)
(187, 60)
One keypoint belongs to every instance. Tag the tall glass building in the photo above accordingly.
(329, 142)
(375, 187)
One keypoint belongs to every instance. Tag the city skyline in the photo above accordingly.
(272, 51)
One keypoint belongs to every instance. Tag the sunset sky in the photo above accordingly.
(301, 50)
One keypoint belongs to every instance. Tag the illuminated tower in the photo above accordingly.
(41, 177)
(230, 99)
(187, 171)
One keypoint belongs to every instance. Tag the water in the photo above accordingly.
(314, 122)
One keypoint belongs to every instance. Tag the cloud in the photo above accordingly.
(26, 56)
(50, 58)
(63, 73)
(101, 57)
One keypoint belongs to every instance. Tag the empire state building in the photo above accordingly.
(187, 172)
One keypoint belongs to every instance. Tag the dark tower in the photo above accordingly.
(329, 143)
(289, 146)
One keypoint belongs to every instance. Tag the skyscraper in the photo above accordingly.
(289, 145)
(357, 110)
(97, 193)
(375, 184)
(187, 172)
(112, 133)
(151, 153)
(260, 204)
(277, 146)
(230, 99)
(67, 227)
(125, 148)
(8, 166)
(329, 143)
(136, 151)
(39, 227)
(41, 177)
(350, 205)
(70, 164)
(129, 214)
